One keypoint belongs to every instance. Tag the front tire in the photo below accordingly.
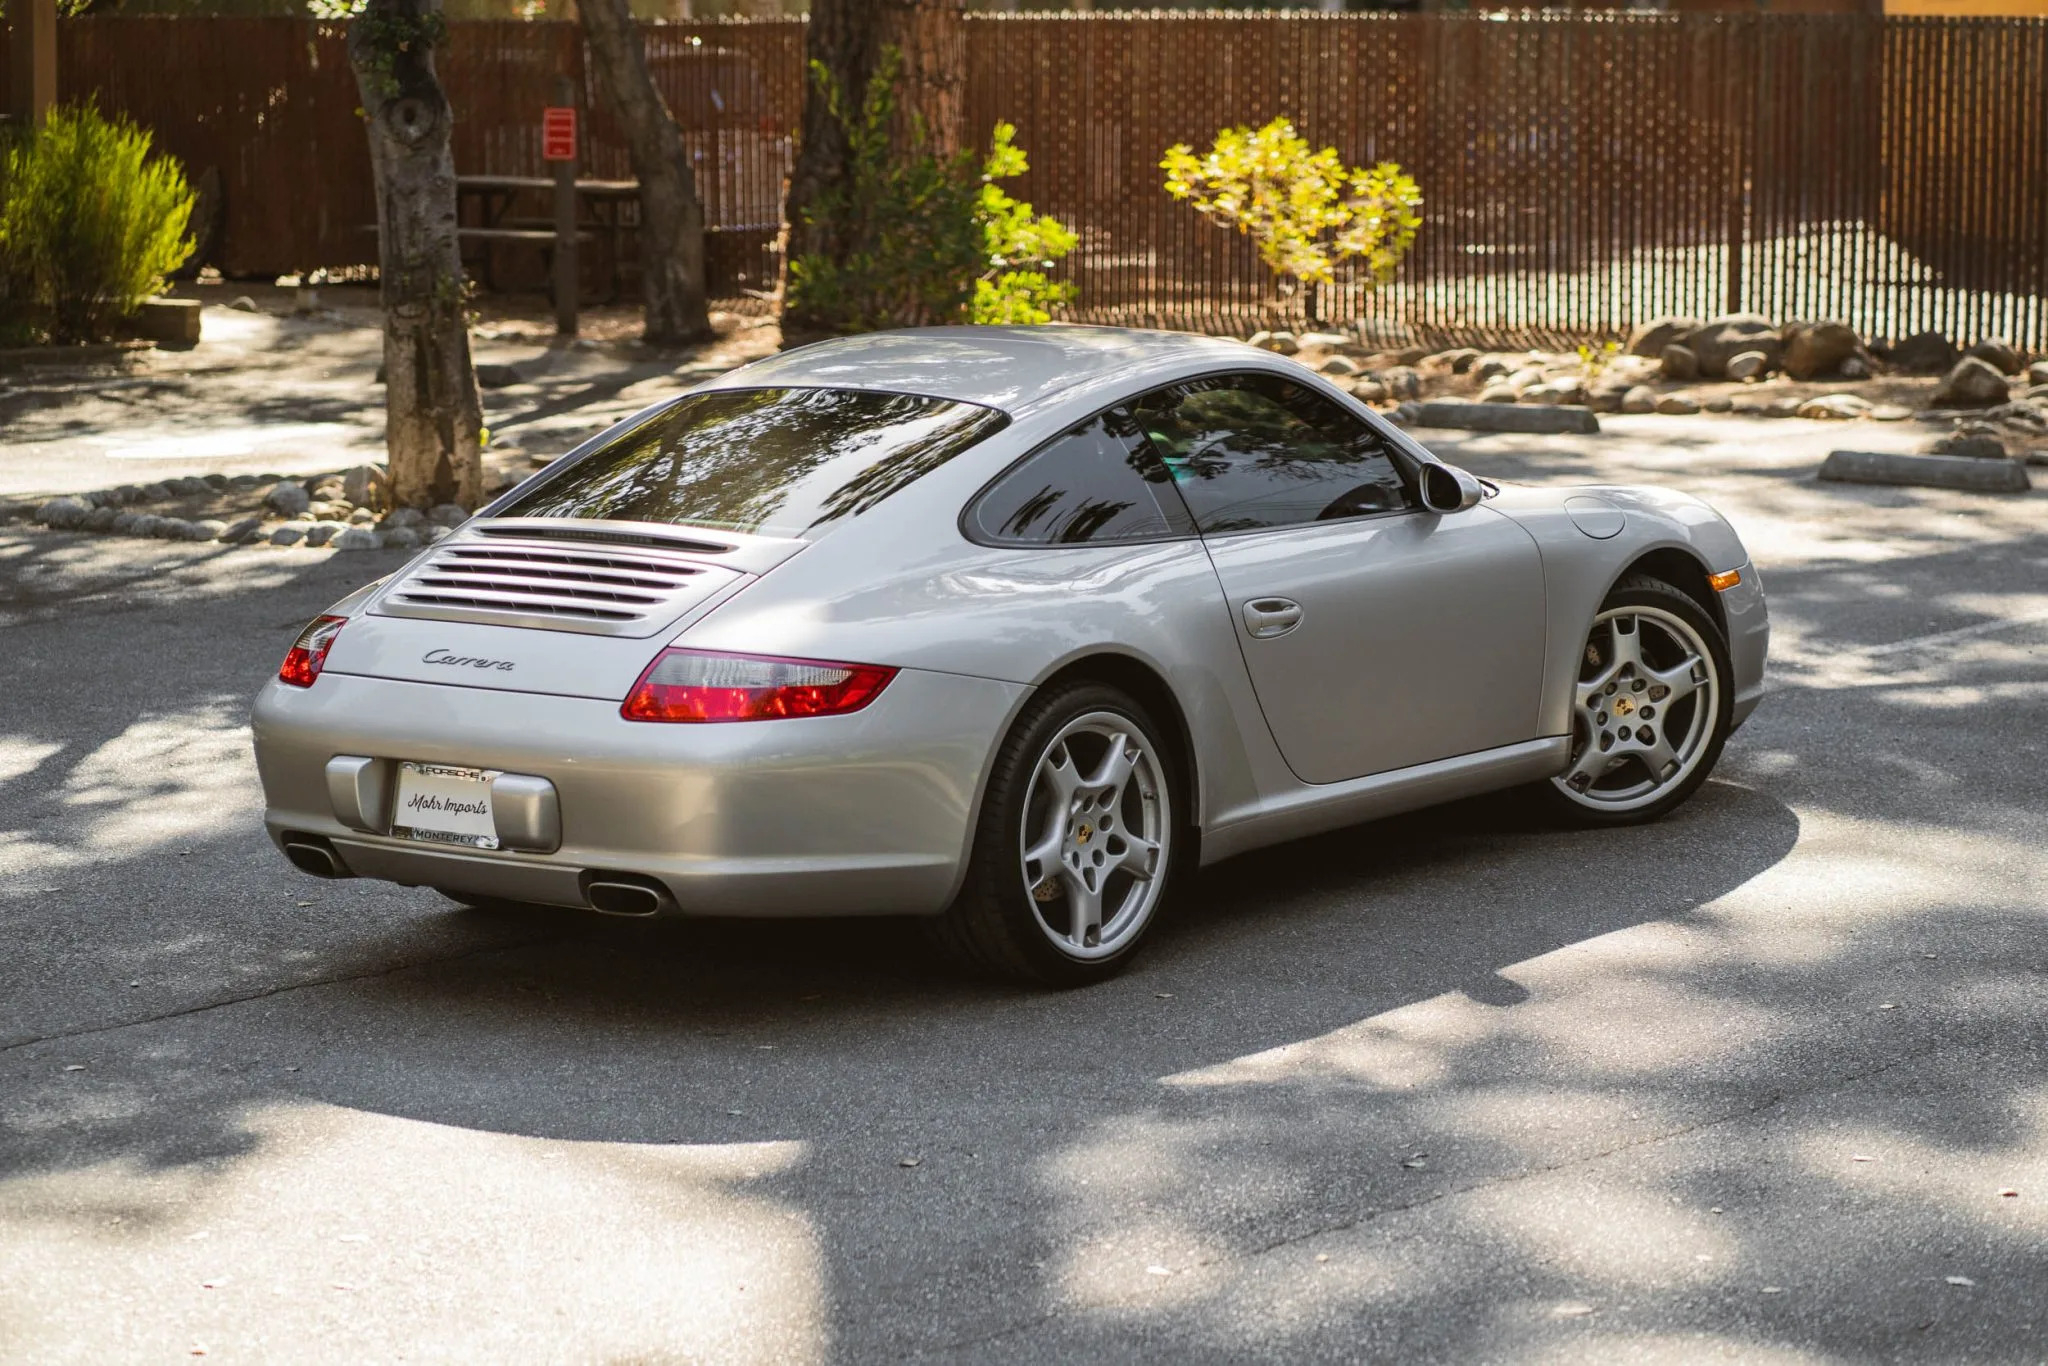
(1651, 708)
(1078, 843)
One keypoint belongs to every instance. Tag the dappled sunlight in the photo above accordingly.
(661, 1250)
(166, 777)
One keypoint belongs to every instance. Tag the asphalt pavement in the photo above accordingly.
(1765, 1081)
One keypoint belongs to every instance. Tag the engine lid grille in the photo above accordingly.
(613, 590)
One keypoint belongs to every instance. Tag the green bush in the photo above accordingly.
(927, 239)
(90, 224)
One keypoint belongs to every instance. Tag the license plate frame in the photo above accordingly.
(455, 802)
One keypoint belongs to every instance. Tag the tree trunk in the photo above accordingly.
(433, 419)
(671, 215)
(847, 38)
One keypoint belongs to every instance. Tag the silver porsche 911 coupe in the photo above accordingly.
(1006, 628)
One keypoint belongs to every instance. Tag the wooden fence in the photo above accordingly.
(1581, 170)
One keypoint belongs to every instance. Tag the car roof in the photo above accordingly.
(1009, 368)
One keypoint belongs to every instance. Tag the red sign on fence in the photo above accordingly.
(558, 133)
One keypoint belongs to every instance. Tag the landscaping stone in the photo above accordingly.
(402, 538)
(1499, 393)
(1402, 382)
(241, 532)
(1337, 365)
(453, 514)
(1650, 338)
(1460, 359)
(217, 482)
(2037, 373)
(243, 481)
(173, 529)
(124, 523)
(1368, 390)
(497, 377)
(1890, 412)
(1747, 365)
(437, 533)
(358, 538)
(1678, 405)
(1503, 417)
(1787, 406)
(1605, 396)
(1814, 349)
(1998, 353)
(101, 519)
(362, 517)
(1488, 368)
(1282, 343)
(402, 517)
(211, 529)
(242, 303)
(1324, 341)
(1923, 353)
(1854, 367)
(320, 533)
(1835, 408)
(291, 533)
(1679, 363)
(287, 500)
(1730, 335)
(1641, 399)
(1566, 390)
(1719, 403)
(154, 493)
(170, 323)
(1524, 377)
(63, 514)
(1926, 471)
(1972, 383)
(1974, 440)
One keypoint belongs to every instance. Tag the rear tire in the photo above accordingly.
(1080, 838)
(1652, 706)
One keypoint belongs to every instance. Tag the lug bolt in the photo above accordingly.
(1638, 685)
(1606, 741)
(1649, 712)
(1612, 688)
(1602, 718)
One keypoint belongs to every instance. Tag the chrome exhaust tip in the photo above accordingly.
(626, 894)
(312, 854)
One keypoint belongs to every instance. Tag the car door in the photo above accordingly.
(1378, 635)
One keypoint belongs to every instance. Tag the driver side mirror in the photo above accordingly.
(1446, 488)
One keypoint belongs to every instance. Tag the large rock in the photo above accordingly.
(2037, 373)
(1679, 363)
(1650, 338)
(1641, 399)
(287, 500)
(1813, 349)
(1504, 417)
(1972, 383)
(1678, 405)
(1923, 353)
(453, 514)
(360, 484)
(1728, 336)
(1402, 382)
(358, 538)
(1998, 353)
(291, 533)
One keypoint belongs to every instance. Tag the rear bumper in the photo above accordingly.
(867, 814)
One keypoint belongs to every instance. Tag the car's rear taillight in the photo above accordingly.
(691, 685)
(302, 662)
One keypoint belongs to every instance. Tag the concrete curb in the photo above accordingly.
(1965, 472)
(1508, 417)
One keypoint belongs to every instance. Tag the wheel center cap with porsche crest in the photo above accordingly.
(1624, 705)
(1083, 833)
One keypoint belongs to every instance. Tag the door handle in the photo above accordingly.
(1265, 618)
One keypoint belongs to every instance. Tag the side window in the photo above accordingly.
(1099, 482)
(1255, 451)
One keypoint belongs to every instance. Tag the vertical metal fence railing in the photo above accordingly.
(1582, 170)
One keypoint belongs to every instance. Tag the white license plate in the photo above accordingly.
(445, 805)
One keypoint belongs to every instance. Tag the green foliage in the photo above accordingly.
(1305, 211)
(924, 239)
(90, 224)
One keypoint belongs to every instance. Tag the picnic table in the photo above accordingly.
(497, 195)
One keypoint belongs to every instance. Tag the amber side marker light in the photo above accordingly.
(1725, 580)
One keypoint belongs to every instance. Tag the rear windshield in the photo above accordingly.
(774, 462)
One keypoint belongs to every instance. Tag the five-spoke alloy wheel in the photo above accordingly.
(1077, 843)
(1650, 708)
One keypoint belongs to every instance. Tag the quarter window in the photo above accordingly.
(1100, 482)
(1255, 451)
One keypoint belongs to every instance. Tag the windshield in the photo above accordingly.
(772, 462)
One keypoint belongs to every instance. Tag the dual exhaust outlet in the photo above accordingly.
(629, 894)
